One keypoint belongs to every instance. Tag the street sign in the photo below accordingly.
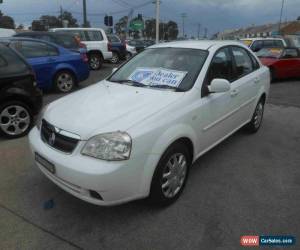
(136, 25)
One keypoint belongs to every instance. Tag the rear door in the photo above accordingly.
(246, 83)
(38, 56)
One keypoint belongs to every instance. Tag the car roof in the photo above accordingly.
(19, 34)
(203, 44)
(262, 38)
(8, 39)
(54, 29)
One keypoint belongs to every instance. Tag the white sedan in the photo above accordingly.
(137, 133)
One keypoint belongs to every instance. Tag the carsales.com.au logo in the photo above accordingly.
(253, 241)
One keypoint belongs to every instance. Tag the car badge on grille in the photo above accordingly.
(52, 139)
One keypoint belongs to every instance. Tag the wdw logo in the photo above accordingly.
(251, 240)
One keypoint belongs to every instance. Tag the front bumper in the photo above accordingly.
(82, 176)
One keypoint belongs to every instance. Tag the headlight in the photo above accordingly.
(40, 117)
(115, 146)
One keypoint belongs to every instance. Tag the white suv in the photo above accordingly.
(96, 42)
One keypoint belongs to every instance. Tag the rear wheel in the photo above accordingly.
(95, 61)
(15, 119)
(255, 123)
(128, 56)
(115, 58)
(64, 81)
(170, 175)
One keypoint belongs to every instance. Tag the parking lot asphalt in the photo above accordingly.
(248, 185)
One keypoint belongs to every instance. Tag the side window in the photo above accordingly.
(30, 49)
(243, 62)
(52, 51)
(278, 44)
(257, 46)
(269, 44)
(94, 35)
(290, 53)
(254, 62)
(78, 33)
(221, 66)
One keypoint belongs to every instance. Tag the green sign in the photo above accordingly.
(136, 25)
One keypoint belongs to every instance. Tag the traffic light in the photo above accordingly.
(108, 20)
(140, 17)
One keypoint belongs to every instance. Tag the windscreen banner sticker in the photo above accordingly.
(158, 76)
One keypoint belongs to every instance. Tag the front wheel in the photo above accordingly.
(15, 119)
(170, 175)
(255, 123)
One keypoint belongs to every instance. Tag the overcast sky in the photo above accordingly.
(216, 15)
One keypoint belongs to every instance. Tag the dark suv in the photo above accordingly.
(20, 99)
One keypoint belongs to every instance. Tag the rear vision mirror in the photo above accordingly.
(219, 86)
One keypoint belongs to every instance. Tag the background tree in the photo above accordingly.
(66, 15)
(121, 25)
(172, 30)
(50, 21)
(6, 22)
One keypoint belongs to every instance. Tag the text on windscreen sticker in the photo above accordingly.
(158, 76)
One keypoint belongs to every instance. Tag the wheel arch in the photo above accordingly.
(94, 51)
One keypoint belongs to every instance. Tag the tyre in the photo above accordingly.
(128, 56)
(95, 61)
(170, 175)
(64, 81)
(255, 123)
(16, 119)
(115, 58)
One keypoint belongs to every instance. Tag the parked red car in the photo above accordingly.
(283, 62)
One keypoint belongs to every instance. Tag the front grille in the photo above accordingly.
(51, 136)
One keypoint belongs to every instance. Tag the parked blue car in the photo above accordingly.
(54, 66)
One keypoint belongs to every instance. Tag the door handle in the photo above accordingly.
(256, 80)
(234, 92)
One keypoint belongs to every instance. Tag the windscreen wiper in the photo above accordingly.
(162, 86)
(132, 83)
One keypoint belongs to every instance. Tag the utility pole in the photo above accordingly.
(199, 28)
(157, 21)
(84, 14)
(61, 16)
(280, 19)
(205, 32)
(183, 16)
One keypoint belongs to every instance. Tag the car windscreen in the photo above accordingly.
(67, 41)
(163, 67)
(10, 62)
(270, 52)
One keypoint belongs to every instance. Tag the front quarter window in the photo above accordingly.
(162, 67)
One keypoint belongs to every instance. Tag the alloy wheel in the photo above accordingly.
(174, 175)
(258, 115)
(65, 82)
(14, 120)
(94, 62)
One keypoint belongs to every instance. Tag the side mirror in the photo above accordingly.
(219, 86)
(114, 70)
